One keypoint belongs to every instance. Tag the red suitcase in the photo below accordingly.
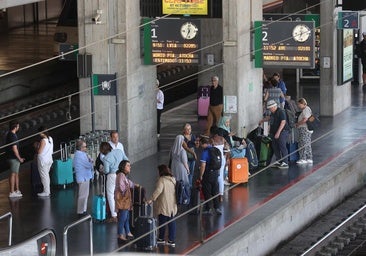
(238, 170)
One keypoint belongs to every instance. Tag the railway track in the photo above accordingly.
(341, 231)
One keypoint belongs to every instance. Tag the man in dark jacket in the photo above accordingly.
(278, 132)
(216, 104)
(361, 53)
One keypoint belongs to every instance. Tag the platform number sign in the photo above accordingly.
(348, 20)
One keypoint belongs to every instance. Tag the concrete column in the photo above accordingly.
(240, 78)
(333, 99)
(115, 46)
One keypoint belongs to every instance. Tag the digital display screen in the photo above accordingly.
(174, 41)
(287, 44)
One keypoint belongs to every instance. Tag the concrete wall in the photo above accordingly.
(136, 83)
(261, 231)
(240, 78)
(333, 99)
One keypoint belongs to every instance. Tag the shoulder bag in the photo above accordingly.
(313, 123)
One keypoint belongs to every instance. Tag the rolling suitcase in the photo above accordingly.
(265, 151)
(146, 225)
(203, 101)
(292, 147)
(238, 170)
(62, 168)
(138, 205)
(99, 208)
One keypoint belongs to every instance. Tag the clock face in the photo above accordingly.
(188, 30)
(301, 33)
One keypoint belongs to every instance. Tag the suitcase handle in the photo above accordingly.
(64, 151)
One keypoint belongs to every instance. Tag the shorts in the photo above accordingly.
(14, 165)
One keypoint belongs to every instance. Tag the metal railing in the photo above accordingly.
(10, 216)
(66, 229)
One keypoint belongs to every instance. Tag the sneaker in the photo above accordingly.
(171, 243)
(43, 194)
(160, 241)
(309, 161)
(14, 195)
(283, 165)
(19, 193)
(227, 183)
(276, 164)
(218, 211)
(301, 161)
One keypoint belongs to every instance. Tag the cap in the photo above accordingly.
(271, 103)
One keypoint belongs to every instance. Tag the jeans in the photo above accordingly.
(123, 222)
(191, 165)
(171, 227)
(279, 146)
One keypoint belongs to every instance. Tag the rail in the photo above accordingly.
(43, 247)
(336, 232)
(10, 216)
(66, 229)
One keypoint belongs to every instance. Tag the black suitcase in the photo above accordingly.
(139, 207)
(146, 226)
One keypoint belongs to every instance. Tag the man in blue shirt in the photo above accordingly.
(111, 160)
(280, 84)
(83, 166)
(208, 177)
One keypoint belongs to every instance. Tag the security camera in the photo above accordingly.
(97, 19)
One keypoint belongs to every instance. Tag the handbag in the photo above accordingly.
(190, 156)
(237, 152)
(313, 123)
(123, 201)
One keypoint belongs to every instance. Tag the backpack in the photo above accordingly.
(215, 158)
(182, 193)
(251, 154)
(291, 118)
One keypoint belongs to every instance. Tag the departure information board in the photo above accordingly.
(287, 44)
(174, 41)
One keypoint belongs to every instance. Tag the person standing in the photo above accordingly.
(305, 152)
(179, 160)
(123, 186)
(361, 53)
(13, 158)
(166, 204)
(216, 104)
(189, 147)
(83, 167)
(279, 131)
(44, 160)
(280, 84)
(111, 161)
(115, 144)
(209, 179)
(159, 105)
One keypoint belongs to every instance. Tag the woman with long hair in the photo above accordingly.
(166, 204)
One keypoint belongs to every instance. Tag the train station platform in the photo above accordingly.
(257, 216)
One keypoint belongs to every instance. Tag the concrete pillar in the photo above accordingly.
(240, 78)
(115, 47)
(333, 98)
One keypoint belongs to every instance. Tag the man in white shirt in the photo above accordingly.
(159, 105)
(115, 144)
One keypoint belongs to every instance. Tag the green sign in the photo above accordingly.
(347, 20)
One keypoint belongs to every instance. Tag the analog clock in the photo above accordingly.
(188, 30)
(301, 33)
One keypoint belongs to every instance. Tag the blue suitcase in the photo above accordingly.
(62, 169)
(99, 208)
